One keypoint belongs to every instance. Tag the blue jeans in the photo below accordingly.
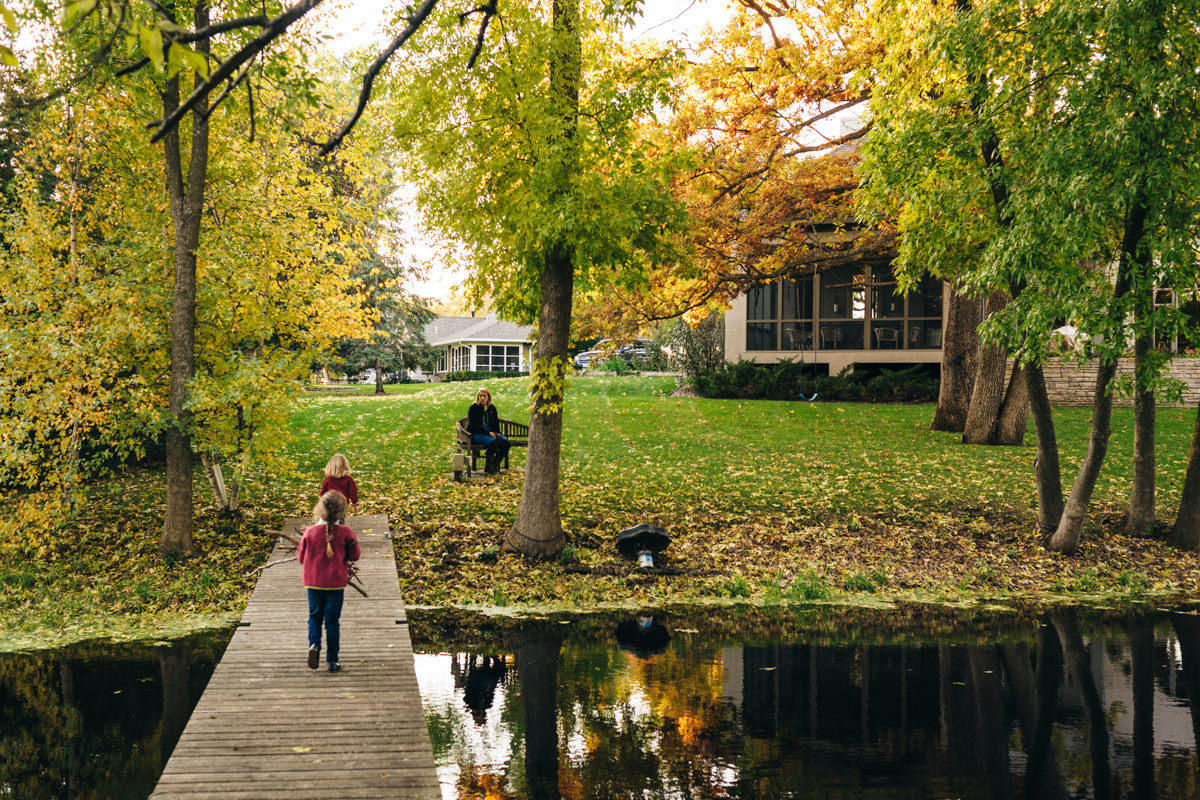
(325, 605)
(495, 447)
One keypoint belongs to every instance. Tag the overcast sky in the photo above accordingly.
(358, 23)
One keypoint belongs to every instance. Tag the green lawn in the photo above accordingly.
(768, 501)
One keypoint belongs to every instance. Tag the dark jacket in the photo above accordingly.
(482, 421)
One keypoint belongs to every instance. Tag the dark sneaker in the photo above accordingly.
(335, 666)
(314, 656)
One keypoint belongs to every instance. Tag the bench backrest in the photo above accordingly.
(508, 428)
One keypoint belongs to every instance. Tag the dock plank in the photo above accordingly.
(268, 728)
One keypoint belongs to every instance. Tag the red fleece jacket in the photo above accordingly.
(321, 571)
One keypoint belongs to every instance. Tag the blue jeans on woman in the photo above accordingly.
(325, 605)
(497, 447)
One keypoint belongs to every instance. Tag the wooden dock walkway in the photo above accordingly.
(268, 727)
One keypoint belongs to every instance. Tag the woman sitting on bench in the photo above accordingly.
(483, 423)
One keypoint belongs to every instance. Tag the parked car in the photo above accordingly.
(583, 360)
(632, 353)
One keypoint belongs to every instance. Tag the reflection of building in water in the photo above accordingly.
(970, 719)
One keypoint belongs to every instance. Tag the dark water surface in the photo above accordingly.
(98, 721)
(726, 703)
(828, 705)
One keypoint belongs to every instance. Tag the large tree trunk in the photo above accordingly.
(186, 205)
(538, 531)
(378, 378)
(1140, 518)
(988, 393)
(1186, 531)
(1065, 538)
(1013, 419)
(960, 358)
(1047, 474)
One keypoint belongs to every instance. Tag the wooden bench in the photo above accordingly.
(516, 433)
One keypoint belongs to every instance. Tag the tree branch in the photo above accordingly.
(488, 12)
(274, 29)
(414, 22)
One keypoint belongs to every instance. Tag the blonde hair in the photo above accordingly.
(489, 397)
(338, 467)
(330, 509)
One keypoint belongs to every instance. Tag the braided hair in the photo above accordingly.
(331, 509)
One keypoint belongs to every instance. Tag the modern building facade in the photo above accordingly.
(844, 315)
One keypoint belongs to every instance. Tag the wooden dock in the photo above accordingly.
(268, 727)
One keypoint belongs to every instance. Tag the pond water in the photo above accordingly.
(823, 705)
(97, 721)
(911, 703)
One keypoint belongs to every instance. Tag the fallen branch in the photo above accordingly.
(291, 537)
(269, 564)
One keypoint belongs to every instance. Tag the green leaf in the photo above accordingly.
(195, 61)
(152, 45)
(174, 60)
(10, 20)
(7, 57)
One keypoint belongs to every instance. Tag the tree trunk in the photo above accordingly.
(1070, 528)
(1185, 533)
(1067, 535)
(1013, 420)
(1047, 474)
(538, 531)
(988, 393)
(186, 205)
(960, 359)
(1139, 520)
(378, 377)
(216, 480)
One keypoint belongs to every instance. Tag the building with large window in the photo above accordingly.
(851, 314)
(479, 344)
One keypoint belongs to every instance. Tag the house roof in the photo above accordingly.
(447, 330)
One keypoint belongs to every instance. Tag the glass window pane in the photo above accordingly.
(926, 299)
(797, 336)
(843, 293)
(925, 335)
(761, 302)
(761, 336)
(798, 298)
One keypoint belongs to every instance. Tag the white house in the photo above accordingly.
(479, 344)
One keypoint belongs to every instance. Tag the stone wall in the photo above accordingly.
(1071, 384)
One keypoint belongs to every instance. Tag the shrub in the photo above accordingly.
(699, 350)
(790, 380)
(481, 375)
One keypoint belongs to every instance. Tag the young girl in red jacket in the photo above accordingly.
(338, 478)
(324, 554)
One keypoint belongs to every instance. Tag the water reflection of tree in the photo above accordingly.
(1031, 718)
(94, 722)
